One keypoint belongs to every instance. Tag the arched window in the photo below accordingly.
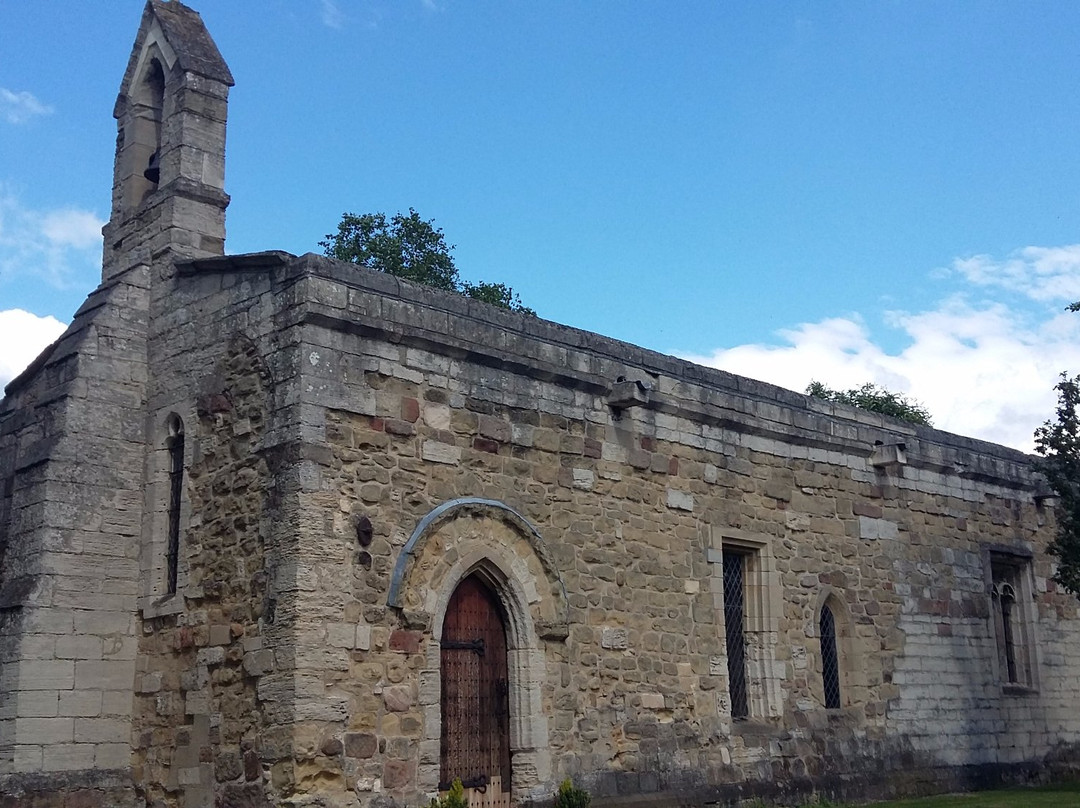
(1013, 619)
(1007, 602)
(175, 446)
(830, 662)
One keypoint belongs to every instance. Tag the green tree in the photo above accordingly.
(497, 294)
(1058, 441)
(413, 248)
(875, 399)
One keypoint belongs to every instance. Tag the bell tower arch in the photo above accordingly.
(139, 142)
(169, 169)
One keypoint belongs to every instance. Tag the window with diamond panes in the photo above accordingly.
(830, 663)
(735, 624)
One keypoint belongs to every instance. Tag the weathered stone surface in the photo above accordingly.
(680, 500)
(398, 698)
(228, 766)
(407, 642)
(614, 638)
(360, 745)
(397, 773)
(244, 796)
(252, 768)
(437, 452)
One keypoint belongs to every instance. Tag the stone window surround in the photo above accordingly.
(764, 606)
(847, 656)
(1003, 561)
(155, 600)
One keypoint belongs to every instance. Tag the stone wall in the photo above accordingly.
(213, 716)
(413, 401)
(197, 715)
(71, 443)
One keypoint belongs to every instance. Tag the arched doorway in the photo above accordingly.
(489, 541)
(475, 743)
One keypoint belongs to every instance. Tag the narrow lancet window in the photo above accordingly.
(830, 664)
(1011, 587)
(175, 445)
(735, 627)
(1007, 603)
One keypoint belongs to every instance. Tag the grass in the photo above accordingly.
(1065, 795)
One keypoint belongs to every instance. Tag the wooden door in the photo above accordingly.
(475, 742)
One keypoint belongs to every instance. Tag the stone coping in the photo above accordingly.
(344, 297)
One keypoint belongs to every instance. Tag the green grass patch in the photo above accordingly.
(1065, 795)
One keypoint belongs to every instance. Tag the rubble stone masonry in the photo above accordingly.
(492, 446)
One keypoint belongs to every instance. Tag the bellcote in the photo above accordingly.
(169, 171)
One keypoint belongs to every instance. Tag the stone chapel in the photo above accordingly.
(280, 531)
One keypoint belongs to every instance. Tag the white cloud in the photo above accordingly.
(72, 228)
(61, 247)
(983, 369)
(19, 107)
(22, 337)
(332, 16)
(1044, 274)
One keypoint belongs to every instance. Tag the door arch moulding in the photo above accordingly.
(489, 540)
(552, 623)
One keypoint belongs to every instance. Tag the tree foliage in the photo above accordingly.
(413, 248)
(497, 294)
(1058, 441)
(875, 399)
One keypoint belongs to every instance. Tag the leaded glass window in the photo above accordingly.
(735, 623)
(830, 663)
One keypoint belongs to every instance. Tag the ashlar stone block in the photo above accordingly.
(436, 452)
(80, 703)
(37, 704)
(679, 500)
(67, 756)
(47, 675)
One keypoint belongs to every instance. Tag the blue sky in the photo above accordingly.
(850, 192)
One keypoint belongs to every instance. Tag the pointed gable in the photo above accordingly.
(181, 35)
(194, 47)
